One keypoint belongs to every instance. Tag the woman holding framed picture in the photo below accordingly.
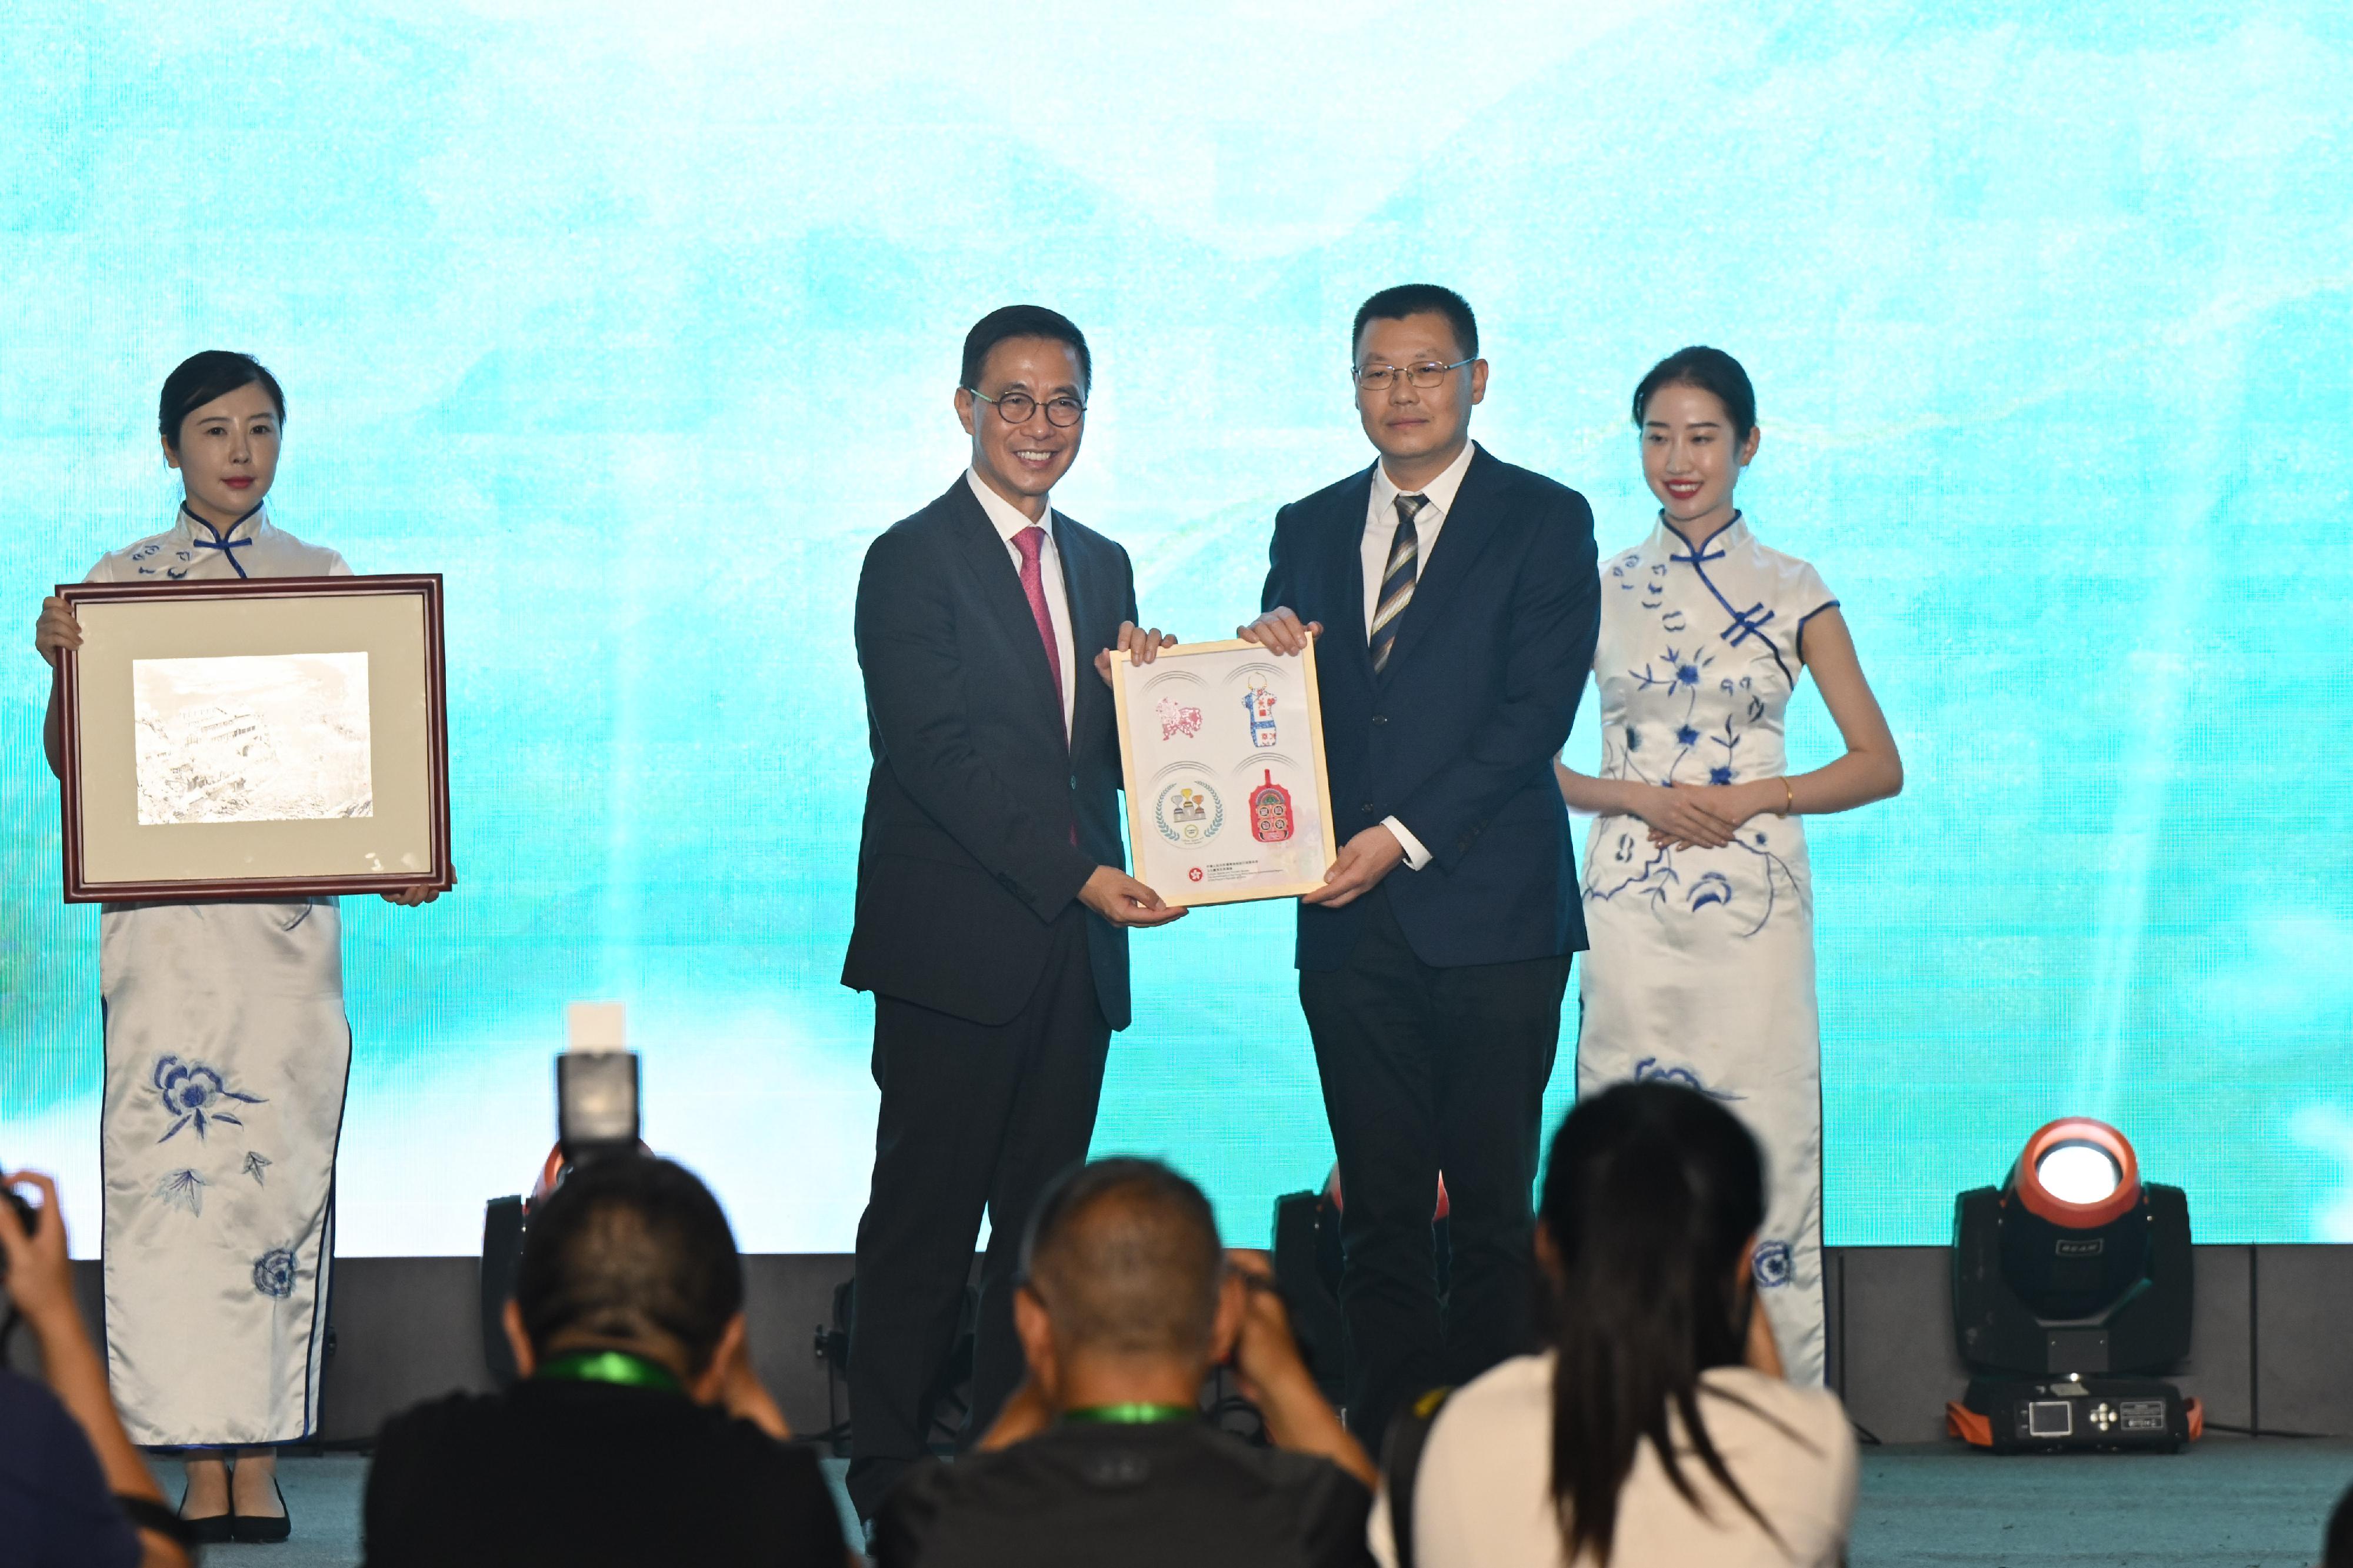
(227, 1051)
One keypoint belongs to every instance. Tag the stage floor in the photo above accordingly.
(2229, 1500)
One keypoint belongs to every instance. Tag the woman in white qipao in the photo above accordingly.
(227, 1053)
(1698, 895)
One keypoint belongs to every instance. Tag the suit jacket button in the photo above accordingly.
(1074, 781)
(1380, 718)
(1367, 808)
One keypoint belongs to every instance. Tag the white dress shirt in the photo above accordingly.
(1009, 519)
(1380, 533)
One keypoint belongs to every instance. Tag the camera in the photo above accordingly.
(596, 1119)
(596, 1105)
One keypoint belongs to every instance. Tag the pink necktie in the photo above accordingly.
(1030, 541)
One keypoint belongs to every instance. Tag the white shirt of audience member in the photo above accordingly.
(1483, 1497)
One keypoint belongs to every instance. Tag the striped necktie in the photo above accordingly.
(1397, 582)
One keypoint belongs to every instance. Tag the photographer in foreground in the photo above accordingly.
(639, 1433)
(72, 1489)
(1127, 1300)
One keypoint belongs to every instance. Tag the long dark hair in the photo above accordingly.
(1651, 1193)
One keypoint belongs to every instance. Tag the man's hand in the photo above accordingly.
(56, 630)
(1266, 1356)
(743, 1396)
(1125, 901)
(1268, 1366)
(1364, 861)
(39, 1279)
(1280, 630)
(1141, 646)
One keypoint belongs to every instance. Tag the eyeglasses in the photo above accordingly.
(1015, 408)
(1428, 373)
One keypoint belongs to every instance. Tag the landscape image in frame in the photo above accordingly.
(254, 738)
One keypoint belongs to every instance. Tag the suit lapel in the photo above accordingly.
(1470, 528)
(1091, 616)
(996, 581)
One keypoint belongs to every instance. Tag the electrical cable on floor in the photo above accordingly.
(2264, 1432)
(1864, 1435)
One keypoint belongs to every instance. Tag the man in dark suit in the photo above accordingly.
(992, 907)
(1461, 604)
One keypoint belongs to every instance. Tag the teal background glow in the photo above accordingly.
(638, 325)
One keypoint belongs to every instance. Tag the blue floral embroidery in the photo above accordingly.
(182, 1190)
(193, 1092)
(1633, 739)
(254, 1165)
(1712, 888)
(1650, 1069)
(1686, 736)
(273, 1273)
(1719, 776)
(1651, 880)
(1772, 1264)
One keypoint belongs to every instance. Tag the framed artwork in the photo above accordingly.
(1226, 797)
(273, 738)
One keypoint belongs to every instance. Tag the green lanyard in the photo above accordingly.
(1133, 1415)
(611, 1366)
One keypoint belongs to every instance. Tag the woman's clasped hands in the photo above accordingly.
(1706, 816)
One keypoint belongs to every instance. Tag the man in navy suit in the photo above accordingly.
(1461, 602)
(992, 909)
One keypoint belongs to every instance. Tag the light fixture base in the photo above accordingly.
(2093, 1413)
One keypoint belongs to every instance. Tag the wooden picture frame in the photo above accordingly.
(262, 737)
(1193, 725)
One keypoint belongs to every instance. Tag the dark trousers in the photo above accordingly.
(1425, 1071)
(973, 1117)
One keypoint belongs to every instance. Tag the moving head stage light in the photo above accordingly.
(2071, 1287)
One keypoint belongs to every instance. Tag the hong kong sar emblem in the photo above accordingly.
(1190, 811)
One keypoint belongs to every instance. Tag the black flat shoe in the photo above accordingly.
(211, 1530)
(263, 1530)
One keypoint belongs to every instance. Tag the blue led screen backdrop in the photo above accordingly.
(638, 326)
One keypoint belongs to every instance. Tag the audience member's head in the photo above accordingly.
(1121, 1265)
(641, 1432)
(631, 1254)
(1652, 1198)
(2337, 1552)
